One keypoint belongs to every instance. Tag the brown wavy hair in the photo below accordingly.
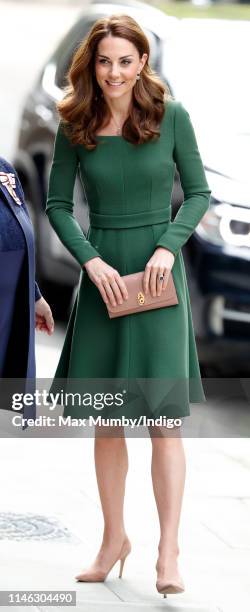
(83, 108)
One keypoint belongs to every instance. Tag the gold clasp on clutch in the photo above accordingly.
(141, 298)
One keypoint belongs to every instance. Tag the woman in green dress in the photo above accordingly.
(124, 132)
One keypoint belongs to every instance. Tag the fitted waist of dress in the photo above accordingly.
(146, 217)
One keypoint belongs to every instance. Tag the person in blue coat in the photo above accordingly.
(22, 307)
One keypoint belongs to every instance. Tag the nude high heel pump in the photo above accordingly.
(99, 575)
(169, 587)
(164, 587)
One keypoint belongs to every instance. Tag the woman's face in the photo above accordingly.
(117, 64)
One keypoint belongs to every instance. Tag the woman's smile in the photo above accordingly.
(115, 83)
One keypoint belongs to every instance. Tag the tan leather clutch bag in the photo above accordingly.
(138, 301)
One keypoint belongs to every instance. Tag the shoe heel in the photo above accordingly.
(122, 561)
(164, 595)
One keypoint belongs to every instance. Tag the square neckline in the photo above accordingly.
(120, 135)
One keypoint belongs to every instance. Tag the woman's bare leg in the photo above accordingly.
(111, 464)
(168, 476)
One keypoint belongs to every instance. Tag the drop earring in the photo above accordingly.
(138, 76)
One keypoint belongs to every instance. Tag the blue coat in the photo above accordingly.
(29, 287)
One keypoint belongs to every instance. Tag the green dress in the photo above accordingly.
(128, 189)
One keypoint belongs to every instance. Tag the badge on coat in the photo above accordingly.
(9, 181)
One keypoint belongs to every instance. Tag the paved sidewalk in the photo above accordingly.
(55, 511)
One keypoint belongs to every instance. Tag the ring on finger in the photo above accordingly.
(165, 281)
(161, 276)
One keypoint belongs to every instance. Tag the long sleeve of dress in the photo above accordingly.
(60, 203)
(193, 181)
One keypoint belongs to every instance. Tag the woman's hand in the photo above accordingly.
(43, 315)
(160, 263)
(109, 282)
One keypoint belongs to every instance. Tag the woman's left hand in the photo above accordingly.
(44, 317)
(159, 264)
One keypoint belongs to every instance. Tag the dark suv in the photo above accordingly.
(216, 256)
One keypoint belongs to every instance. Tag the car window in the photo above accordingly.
(73, 39)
